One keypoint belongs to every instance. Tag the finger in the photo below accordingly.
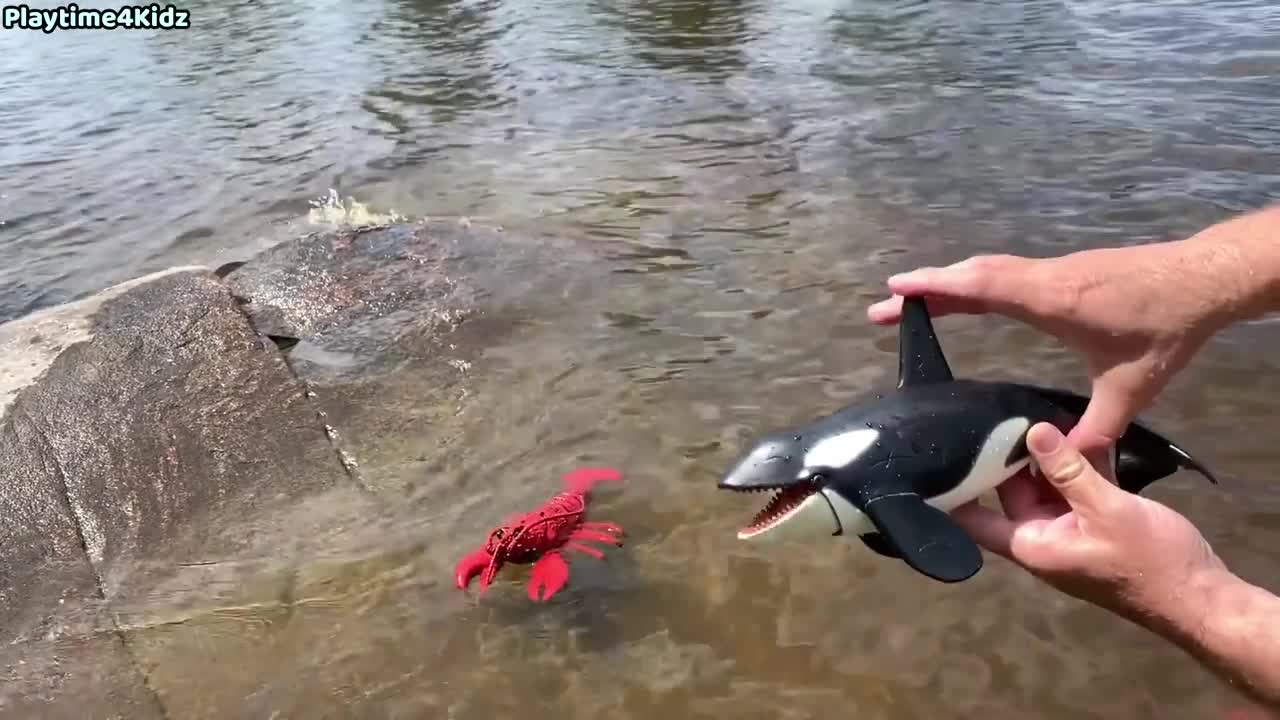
(1019, 496)
(1104, 420)
(955, 280)
(889, 311)
(1101, 460)
(987, 527)
(1049, 502)
(1087, 492)
(980, 284)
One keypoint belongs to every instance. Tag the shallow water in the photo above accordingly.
(747, 174)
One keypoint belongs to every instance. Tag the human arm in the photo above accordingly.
(1134, 556)
(1138, 314)
(1241, 256)
(1233, 628)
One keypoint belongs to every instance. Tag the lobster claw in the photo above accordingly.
(583, 479)
(478, 562)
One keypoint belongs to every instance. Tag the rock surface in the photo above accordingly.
(385, 323)
(155, 443)
(362, 299)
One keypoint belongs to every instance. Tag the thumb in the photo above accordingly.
(1067, 470)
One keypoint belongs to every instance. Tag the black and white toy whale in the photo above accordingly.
(890, 470)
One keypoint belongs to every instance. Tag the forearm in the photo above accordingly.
(1233, 628)
(1240, 262)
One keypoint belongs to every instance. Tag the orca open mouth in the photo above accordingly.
(785, 502)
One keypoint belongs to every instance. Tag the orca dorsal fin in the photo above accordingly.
(920, 358)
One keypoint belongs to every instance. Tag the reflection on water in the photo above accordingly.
(704, 37)
(744, 176)
(451, 45)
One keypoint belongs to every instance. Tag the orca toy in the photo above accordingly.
(890, 470)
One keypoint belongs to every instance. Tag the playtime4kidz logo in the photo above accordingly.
(74, 17)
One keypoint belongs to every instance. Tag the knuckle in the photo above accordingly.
(1067, 467)
(1060, 293)
(973, 277)
(993, 277)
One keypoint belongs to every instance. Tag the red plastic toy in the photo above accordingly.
(541, 536)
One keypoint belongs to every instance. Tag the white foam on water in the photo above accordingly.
(29, 344)
(333, 211)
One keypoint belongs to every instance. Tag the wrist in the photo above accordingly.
(1230, 626)
(1188, 615)
(1238, 261)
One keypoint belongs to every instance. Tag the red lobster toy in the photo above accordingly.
(541, 535)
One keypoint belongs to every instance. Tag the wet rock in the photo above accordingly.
(355, 297)
(45, 575)
(172, 426)
(89, 676)
(385, 324)
(156, 435)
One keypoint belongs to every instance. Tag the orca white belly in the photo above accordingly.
(988, 472)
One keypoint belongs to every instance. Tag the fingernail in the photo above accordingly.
(1045, 440)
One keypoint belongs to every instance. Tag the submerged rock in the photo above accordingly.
(385, 324)
(353, 297)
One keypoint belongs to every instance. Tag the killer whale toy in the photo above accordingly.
(890, 470)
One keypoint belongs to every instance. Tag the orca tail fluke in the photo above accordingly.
(1143, 455)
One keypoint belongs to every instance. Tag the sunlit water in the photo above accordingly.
(748, 173)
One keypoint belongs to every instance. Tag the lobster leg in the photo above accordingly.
(549, 574)
(588, 534)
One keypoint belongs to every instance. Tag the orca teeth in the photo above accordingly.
(783, 501)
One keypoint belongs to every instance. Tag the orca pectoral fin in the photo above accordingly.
(880, 544)
(920, 357)
(925, 537)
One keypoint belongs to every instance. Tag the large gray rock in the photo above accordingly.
(156, 454)
(174, 424)
(84, 677)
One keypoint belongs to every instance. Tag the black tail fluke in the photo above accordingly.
(1143, 455)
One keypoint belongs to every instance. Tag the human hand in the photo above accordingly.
(1080, 533)
(1137, 314)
